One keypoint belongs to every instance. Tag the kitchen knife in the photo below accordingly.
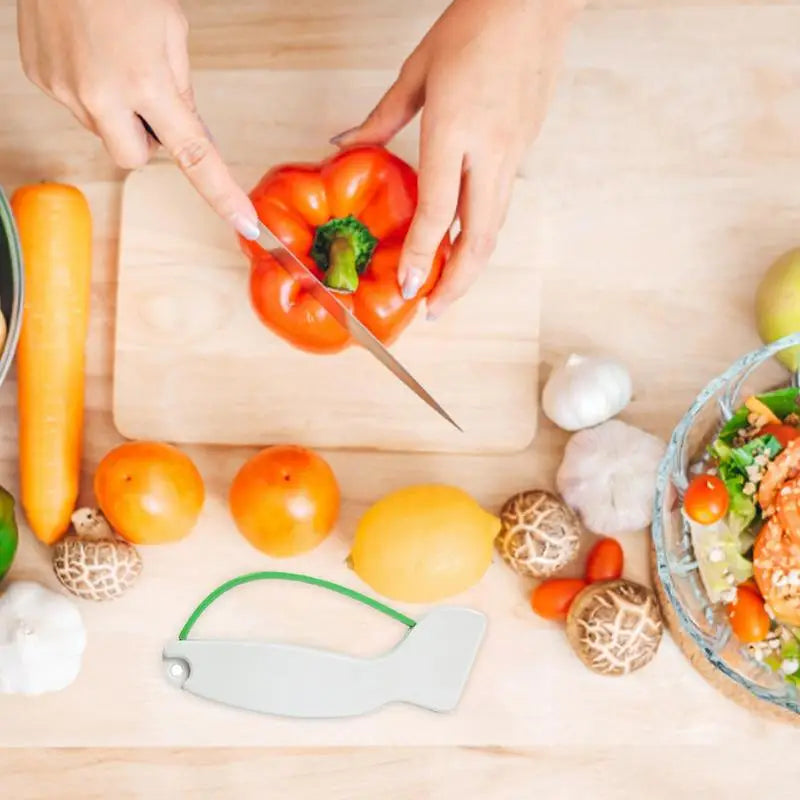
(328, 300)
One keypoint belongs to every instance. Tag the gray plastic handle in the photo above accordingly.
(429, 667)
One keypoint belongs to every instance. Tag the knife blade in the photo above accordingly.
(271, 244)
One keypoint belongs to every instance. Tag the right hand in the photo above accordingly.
(114, 63)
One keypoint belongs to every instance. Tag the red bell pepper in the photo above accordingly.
(346, 219)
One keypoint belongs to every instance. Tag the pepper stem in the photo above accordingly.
(342, 275)
(342, 249)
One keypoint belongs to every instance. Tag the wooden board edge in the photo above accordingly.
(130, 432)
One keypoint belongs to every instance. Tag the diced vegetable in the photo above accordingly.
(783, 433)
(734, 465)
(781, 402)
(719, 558)
(787, 661)
(755, 406)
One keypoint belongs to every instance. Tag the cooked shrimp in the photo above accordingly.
(776, 568)
(787, 507)
(784, 467)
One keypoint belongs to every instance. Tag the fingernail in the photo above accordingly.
(412, 284)
(431, 316)
(340, 137)
(247, 226)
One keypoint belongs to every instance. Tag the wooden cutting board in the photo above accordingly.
(193, 364)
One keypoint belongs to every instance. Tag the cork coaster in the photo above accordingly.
(721, 682)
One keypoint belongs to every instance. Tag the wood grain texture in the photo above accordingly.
(568, 773)
(674, 128)
(303, 34)
(187, 332)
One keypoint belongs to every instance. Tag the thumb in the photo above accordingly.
(395, 110)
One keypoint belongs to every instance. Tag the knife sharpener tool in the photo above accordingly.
(429, 667)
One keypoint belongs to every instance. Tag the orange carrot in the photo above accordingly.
(55, 230)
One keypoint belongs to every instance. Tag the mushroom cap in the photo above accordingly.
(96, 569)
(540, 534)
(615, 626)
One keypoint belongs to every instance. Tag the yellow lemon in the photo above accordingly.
(424, 543)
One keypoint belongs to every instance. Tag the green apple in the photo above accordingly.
(778, 305)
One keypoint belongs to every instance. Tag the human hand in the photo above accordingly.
(115, 63)
(484, 74)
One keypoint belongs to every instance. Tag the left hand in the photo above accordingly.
(484, 74)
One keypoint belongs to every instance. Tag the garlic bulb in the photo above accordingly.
(608, 476)
(42, 639)
(586, 391)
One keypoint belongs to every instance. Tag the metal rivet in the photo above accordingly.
(176, 670)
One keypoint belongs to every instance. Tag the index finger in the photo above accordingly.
(184, 136)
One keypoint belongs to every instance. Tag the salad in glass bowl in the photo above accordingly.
(726, 525)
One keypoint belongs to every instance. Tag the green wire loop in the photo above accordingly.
(298, 578)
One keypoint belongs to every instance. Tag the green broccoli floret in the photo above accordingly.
(342, 249)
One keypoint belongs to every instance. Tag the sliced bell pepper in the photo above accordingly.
(346, 219)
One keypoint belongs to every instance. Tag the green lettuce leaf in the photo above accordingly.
(781, 402)
(789, 650)
(732, 464)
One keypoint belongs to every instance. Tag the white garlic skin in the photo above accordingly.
(42, 639)
(586, 391)
(608, 476)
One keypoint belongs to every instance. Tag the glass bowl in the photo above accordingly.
(705, 622)
(11, 285)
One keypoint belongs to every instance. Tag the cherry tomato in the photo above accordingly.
(552, 598)
(605, 561)
(751, 584)
(706, 500)
(747, 616)
(783, 433)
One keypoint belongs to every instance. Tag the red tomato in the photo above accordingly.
(748, 619)
(150, 492)
(751, 584)
(783, 433)
(605, 561)
(285, 500)
(706, 500)
(552, 598)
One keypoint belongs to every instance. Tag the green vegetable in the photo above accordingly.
(745, 456)
(342, 249)
(9, 535)
(790, 650)
(781, 402)
(732, 464)
(718, 552)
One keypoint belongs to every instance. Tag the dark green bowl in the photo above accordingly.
(11, 284)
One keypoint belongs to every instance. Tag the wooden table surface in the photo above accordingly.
(668, 172)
